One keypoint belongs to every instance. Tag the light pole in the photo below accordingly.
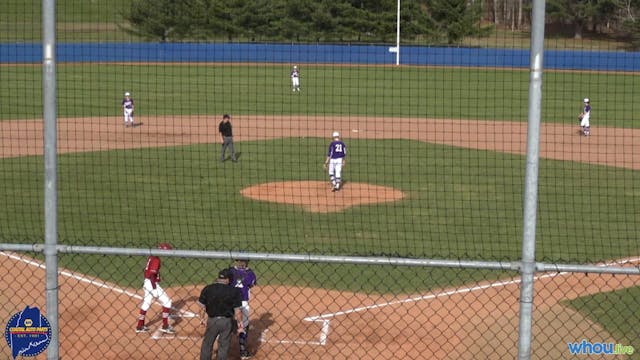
(398, 34)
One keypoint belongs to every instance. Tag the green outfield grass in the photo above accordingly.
(96, 90)
(616, 311)
(459, 204)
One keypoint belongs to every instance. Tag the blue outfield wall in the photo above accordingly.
(319, 53)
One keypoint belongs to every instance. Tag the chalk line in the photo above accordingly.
(324, 318)
(97, 283)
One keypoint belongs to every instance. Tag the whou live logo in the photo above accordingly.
(588, 348)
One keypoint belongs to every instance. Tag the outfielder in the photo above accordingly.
(153, 290)
(336, 159)
(128, 108)
(244, 279)
(295, 79)
(584, 117)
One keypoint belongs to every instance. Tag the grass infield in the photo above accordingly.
(460, 204)
(616, 311)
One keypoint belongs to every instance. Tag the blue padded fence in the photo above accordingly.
(319, 53)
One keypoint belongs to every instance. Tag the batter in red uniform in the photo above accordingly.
(153, 290)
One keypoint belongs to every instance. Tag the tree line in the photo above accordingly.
(370, 21)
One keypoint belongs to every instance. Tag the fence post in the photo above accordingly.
(531, 181)
(50, 171)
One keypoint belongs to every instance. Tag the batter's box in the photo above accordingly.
(295, 332)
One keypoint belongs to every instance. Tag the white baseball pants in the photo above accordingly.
(150, 293)
(335, 170)
(128, 116)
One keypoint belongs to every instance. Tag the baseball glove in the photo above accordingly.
(580, 117)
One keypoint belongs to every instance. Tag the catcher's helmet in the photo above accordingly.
(241, 257)
(586, 100)
(165, 246)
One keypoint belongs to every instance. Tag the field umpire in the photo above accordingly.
(226, 133)
(221, 303)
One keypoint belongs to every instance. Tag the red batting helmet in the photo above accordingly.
(165, 246)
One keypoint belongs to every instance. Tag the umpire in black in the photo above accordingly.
(226, 133)
(222, 304)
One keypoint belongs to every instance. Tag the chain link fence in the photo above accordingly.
(357, 310)
(417, 253)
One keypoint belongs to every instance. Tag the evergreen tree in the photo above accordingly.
(581, 13)
(163, 20)
(216, 18)
(301, 20)
(455, 19)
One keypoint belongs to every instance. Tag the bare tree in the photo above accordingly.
(519, 23)
(505, 12)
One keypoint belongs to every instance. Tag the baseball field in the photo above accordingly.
(449, 142)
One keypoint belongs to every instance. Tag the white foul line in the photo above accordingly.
(96, 283)
(325, 328)
(324, 318)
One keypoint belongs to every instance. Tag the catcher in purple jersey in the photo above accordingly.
(336, 159)
(244, 279)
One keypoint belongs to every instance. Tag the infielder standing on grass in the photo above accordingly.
(153, 290)
(336, 159)
(295, 79)
(244, 279)
(584, 117)
(128, 107)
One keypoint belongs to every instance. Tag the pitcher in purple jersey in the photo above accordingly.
(244, 279)
(336, 160)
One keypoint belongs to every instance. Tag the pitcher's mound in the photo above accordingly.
(316, 196)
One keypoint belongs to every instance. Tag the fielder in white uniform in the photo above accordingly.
(128, 107)
(295, 79)
(585, 116)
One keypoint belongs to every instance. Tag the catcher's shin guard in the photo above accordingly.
(242, 341)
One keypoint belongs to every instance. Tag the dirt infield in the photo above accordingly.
(607, 146)
(467, 322)
(302, 323)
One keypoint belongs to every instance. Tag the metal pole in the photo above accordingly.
(398, 35)
(50, 171)
(531, 181)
